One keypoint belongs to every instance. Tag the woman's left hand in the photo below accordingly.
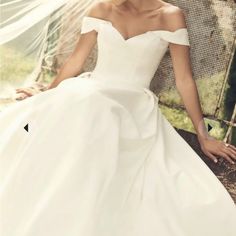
(215, 148)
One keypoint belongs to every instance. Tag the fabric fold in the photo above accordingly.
(179, 36)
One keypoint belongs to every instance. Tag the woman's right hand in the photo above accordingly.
(23, 93)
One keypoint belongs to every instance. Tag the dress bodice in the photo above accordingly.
(133, 60)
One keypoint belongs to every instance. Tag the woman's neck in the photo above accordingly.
(142, 5)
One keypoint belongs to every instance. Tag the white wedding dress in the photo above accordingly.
(100, 159)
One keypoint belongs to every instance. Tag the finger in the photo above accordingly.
(212, 157)
(24, 93)
(20, 94)
(228, 145)
(229, 149)
(27, 92)
(19, 90)
(226, 156)
(232, 152)
(233, 147)
(21, 97)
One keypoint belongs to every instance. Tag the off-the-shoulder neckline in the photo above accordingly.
(138, 35)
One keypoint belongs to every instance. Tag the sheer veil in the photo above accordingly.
(33, 34)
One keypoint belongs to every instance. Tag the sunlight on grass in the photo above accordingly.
(14, 66)
(181, 120)
(208, 89)
(47, 77)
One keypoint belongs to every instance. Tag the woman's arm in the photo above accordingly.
(72, 66)
(86, 42)
(187, 88)
(75, 62)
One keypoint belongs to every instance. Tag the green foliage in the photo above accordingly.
(47, 77)
(181, 120)
(209, 91)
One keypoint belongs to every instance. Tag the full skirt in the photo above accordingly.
(100, 159)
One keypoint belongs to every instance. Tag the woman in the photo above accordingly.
(99, 158)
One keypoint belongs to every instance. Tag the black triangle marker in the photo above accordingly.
(27, 128)
(209, 127)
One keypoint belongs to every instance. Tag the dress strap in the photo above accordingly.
(179, 36)
(91, 23)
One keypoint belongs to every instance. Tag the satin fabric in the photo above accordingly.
(100, 159)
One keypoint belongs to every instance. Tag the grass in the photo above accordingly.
(181, 120)
(14, 67)
(209, 90)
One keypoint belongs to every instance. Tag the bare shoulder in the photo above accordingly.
(100, 9)
(173, 17)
